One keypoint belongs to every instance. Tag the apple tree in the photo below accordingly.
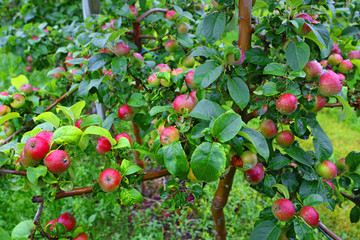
(208, 91)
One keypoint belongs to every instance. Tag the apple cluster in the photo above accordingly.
(69, 222)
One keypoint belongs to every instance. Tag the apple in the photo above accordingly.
(125, 135)
(162, 67)
(231, 58)
(345, 66)
(28, 68)
(26, 88)
(320, 102)
(68, 59)
(161, 128)
(8, 129)
(328, 183)
(46, 135)
(354, 55)
(169, 135)
(126, 112)
(171, 46)
(287, 104)
(36, 149)
(305, 28)
(193, 95)
(217, 5)
(285, 138)
(336, 49)
(310, 216)
(329, 84)
(29, 59)
(327, 170)
(4, 110)
(4, 94)
(18, 101)
(341, 77)
(268, 129)
(133, 11)
(57, 161)
(283, 209)
(58, 75)
(254, 175)
(104, 27)
(109, 180)
(138, 56)
(68, 221)
(170, 15)
(82, 236)
(177, 71)
(335, 59)
(52, 224)
(189, 62)
(324, 63)
(313, 69)
(341, 166)
(25, 162)
(103, 145)
(78, 123)
(248, 160)
(153, 81)
(184, 104)
(121, 49)
(112, 26)
(189, 80)
(199, 6)
(183, 28)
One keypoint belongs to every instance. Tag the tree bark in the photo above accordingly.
(90, 7)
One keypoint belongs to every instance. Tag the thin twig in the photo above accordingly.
(12, 172)
(150, 12)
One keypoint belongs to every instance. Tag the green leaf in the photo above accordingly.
(137, 100)
(239, 92)
(313, 200)
(128, 168)
(123, 143)
(4, 235)
(77, 108)
(353, 160)
(278, 162)
(309, 187)
(204, 52)
(208, 161)
(93, 119)
(297, 55)
(67, 135)
(293, 4)
(22, 230)
(175, 160)
(322, 144)
(18, 81)
(119, 65)
(212, 26)
(257, 56)
(207, 73)
(130, 196)
(355, 214)
(159, 109)
(282, 189)
(257, 139)
(300, 126)
(347, 112)
(83, 39)
(49, 117)
(68, 113)
(299, 155)
(274, 69)
(270, 89)
(288, 179)
(9, 116)
(226, 126)
(356, 178)
(267, 230)
(319, 34)
(95, 130)
(34, 173)
(109, 121)
(206, 110)
(302, 230)
(98, 61)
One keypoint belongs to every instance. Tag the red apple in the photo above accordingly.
(57, 161)
(52, 224)
(162, 67)
(112, 26)
(336, 49)
(189, 62)
(287, 104)
(68, 221)
(36, 149)
(285, 138)
(126, 112)
(153, 81)
(24, 161)
(177, 71)
(320, 102)
(310, 216)
(329, 84)
(305, 28)
(104, 50)
(29, 68)
(109, 180)
(183, 104)
(171, 46)
(58, 75)
(341, 166)
(29, 59)
(193, 95)
(341, 77)
(268, 129)
(169, 135)
(18, 101)
(121, 49)
(334, 59)
(324, 63)
(313, 69)
(189, 79)
(254, 175)
(82, 236)
(327, 170)
(283, 209)
(345, 66)
(183, 28)
(170, 15)
(68, 59)
(103, 145)
(231, 58)
(46, 135)
(138, 56)
(248, 160)
(161, 128)
(4, 110)
(125, 135)
(26, 88)
(133, 11)
(354, 55)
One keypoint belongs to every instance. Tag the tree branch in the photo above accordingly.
(12, 172)
(138, 139)
(328, 231)
(150, 12)
(27, 125)
(354, 199)
(86, 190)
